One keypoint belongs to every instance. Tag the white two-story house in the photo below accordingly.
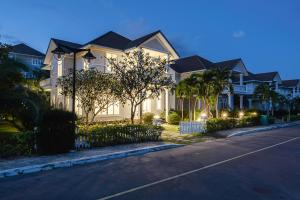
(110, 44)
(156, 44)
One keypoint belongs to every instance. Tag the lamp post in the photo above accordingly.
(59, 51)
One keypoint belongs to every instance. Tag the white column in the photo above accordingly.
(167, 104)
(294, 91)
(241, 101)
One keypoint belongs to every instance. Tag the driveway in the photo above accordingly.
(265, 165)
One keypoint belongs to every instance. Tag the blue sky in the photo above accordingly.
(264, 33)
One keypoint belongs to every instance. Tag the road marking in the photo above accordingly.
(194, 171)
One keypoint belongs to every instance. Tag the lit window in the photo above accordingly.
(113, 109)
(147, 105)
(59, 68)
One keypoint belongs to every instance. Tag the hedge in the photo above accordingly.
(148, 117)
(119, 134)
(217, 124)
(17, 144)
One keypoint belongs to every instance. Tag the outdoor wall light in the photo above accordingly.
(89, 56)
(59, 52)
(241, 114)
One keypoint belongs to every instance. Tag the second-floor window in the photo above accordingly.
(36, 61)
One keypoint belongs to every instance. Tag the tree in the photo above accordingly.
(219, 82)
(18, 98)
(95, 90)
(180, 92)
(140, 77)
(265, 94)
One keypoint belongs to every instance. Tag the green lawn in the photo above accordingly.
(7, 127)
(171, 134)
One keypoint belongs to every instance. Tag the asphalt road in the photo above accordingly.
(265, 165)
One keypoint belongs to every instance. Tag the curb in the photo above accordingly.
(83, 160)
(240, 133)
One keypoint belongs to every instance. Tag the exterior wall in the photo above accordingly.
(31, 61)
(100, 63)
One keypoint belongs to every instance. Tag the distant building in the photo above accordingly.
(30, 57)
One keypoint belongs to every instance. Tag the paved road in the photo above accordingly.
(261, 166)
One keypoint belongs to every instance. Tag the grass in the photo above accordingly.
(7, 128)
(171, 134)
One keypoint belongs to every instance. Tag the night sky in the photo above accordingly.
(264, 33)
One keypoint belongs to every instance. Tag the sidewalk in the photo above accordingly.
(41, 163)
(253, 129)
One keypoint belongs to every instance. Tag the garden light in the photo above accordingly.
(203, 115)
(241, 114)
(254, 113)
(224, 115)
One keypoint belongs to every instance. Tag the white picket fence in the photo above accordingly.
(192, 127)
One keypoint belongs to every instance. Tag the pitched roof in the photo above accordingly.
(66, 43)
(268, 76)
(112, 40)
(230, 64)
(25, 49)
(290, 83)
(191, 63)
(138, 41)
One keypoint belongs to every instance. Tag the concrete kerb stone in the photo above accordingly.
(240, 133)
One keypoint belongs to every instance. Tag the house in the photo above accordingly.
(114, 45)
(108, 45)
(30, 57)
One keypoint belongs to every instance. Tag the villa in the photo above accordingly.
(114, 45)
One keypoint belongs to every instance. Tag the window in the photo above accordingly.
(59, 68)
(113, 109)
(36, 61)
(109, 56)
(147, 105)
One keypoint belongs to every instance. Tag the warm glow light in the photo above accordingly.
(241, 114)
(203, 115)
(224, 114)
(254, 113)
(156, 117)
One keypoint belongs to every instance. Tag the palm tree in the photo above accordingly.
(180, 93)
(220, 81)
(264, 93)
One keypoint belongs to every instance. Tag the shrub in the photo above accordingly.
(217, 124)
(56, 133)
(174, 118)
(119, 134)
(17, 144)
(271, 120)
(295, 117)
(148, 118)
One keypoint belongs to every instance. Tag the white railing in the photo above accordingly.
(192, 127)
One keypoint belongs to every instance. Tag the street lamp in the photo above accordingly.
(59, 51)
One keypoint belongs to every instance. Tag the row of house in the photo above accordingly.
(112, 44)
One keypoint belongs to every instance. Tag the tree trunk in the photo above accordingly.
(132, 112)
(182, 109)
(217, 106)
(195, 102)
(189, 108)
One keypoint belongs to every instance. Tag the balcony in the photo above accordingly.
(242, 89)
(46, 84)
